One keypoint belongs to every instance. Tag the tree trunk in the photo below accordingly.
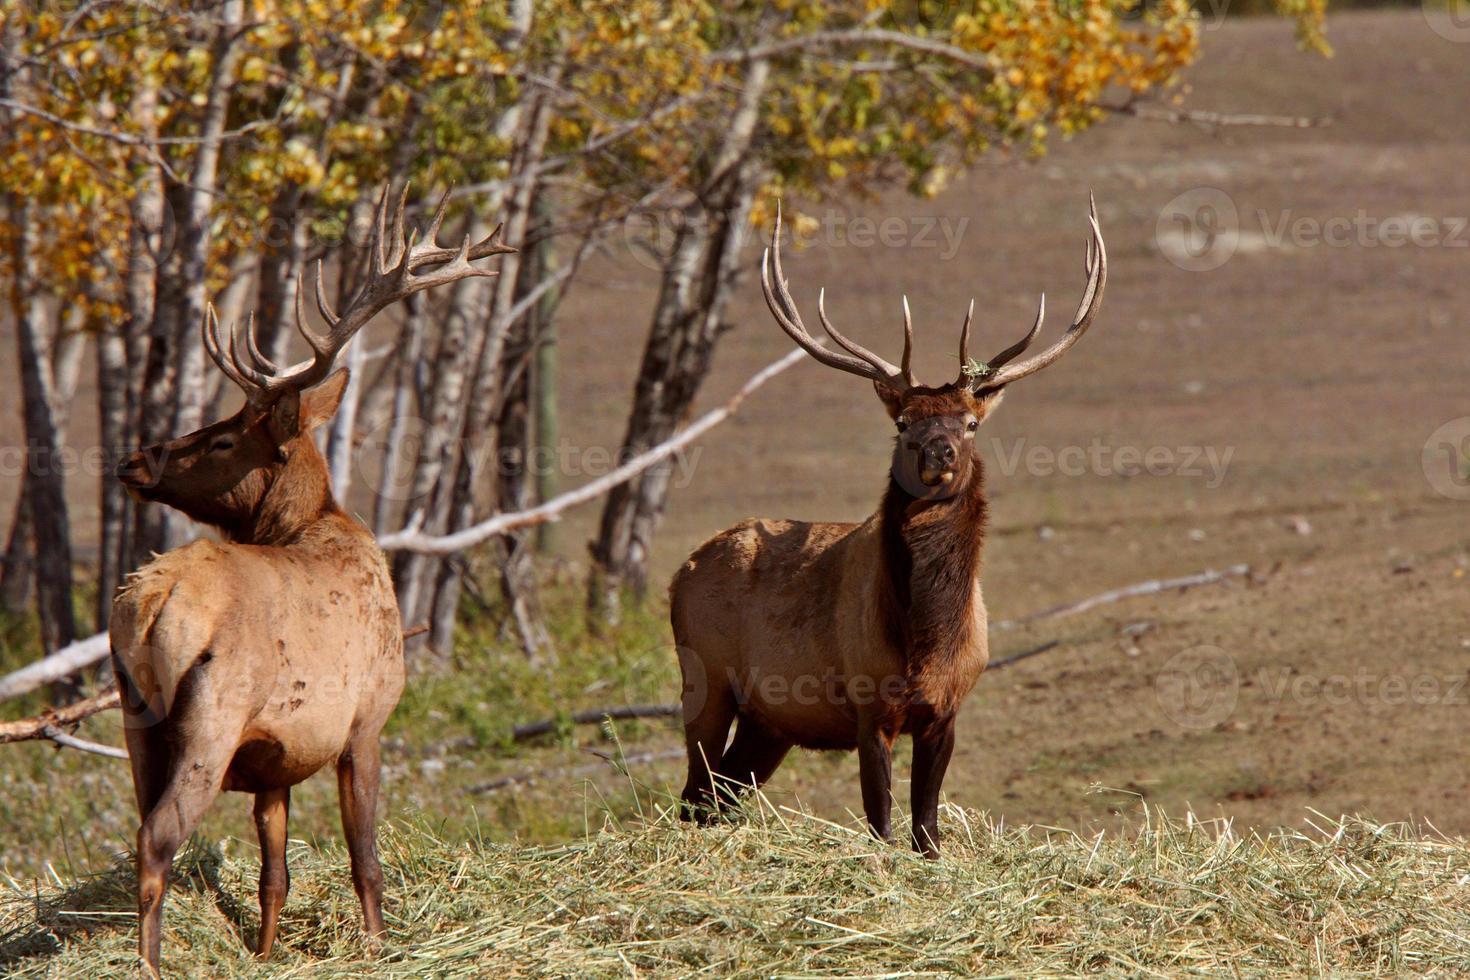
(688, 320)
(112, 418)
(544, 387)
(413, 575)
(46, 478)
(174, 386)
(281, 263)
(19, 573)
(405, 388)
(478, 437)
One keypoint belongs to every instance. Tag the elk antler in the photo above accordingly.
(858, 360)
(395, 270)
(999, 372)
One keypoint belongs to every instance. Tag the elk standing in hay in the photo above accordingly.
(250, 664)
(842, 636)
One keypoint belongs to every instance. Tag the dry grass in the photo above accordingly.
(782, 893)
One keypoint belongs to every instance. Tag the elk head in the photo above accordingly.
(934, 454)
(224, 473)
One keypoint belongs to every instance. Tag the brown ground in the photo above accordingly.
(1321, 369)
(1324, 370)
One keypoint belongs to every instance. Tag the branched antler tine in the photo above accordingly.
(965, 336)
(252, 347)
(256, 377)
(1020, 346)
(323, 306)
(380, 233)
(907, 361)
(1087, 307)
(398, 247)
(431, 237)
(215, 348)
(851, 346)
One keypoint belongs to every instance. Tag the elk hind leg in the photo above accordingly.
(706, 729)
(358, 773)
(144, 732)
(272, 811)
(875, 770)
(750, 760)
(193, 784)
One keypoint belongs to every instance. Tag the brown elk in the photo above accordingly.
(250, 664)
(842, 636)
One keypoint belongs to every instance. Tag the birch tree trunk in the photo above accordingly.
(425, 588)
(50, 522)
(688, 320)
(478, 437)
(174, 385)
(112, 427)
(386, 514)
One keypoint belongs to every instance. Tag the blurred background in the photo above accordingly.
(1276, 379)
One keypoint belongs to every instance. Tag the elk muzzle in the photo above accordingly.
(140, 472)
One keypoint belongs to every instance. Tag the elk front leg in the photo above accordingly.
(272, 810)
(357, 791)
(875, 770)
(932, 748)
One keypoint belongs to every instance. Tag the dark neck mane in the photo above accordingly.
(931, 558)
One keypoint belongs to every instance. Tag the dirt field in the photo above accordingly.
(1283, 399)
(1318, 369)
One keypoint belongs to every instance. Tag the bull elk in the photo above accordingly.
(842, 636)
(250, 663)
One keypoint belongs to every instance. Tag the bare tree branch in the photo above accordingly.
(856, 38)
(412, 539)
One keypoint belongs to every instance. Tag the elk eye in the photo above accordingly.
(222, 444)
(972, 426)
(901, 423)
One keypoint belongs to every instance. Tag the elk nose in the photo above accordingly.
(133, 469)
(949, 455)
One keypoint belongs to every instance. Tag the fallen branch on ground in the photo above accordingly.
(1211, 120)
(594, 716)
(412, 538)
(572, 772)
(1150, 587)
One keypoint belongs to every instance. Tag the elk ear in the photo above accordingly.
(891, 397)
(284, 420)
(320, 403)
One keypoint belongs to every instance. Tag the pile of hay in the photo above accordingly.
(785, 894)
